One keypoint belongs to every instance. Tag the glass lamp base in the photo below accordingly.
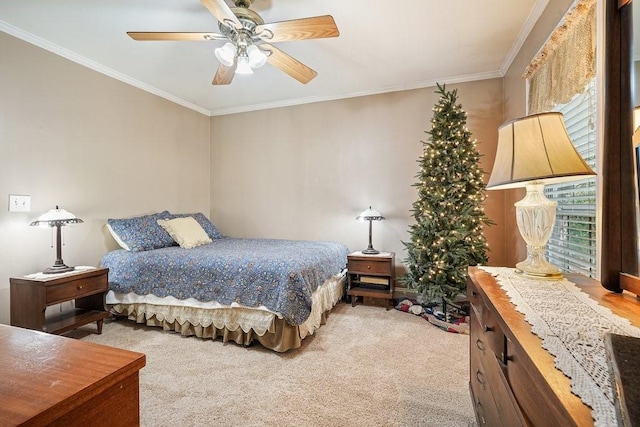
(539, 269)
(535, 215)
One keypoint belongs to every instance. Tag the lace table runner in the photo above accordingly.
(571, 327)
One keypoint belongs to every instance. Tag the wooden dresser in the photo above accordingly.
(513, 380)
(52, 380)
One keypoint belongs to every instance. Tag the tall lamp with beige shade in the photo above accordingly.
(534, 151)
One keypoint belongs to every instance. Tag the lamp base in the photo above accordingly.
(535, 215)
(58, 269)
(536, 265)
(370, 251)
(536, 272)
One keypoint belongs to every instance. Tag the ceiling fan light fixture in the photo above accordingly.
(243, 66)
(257, 58)
(226, 54)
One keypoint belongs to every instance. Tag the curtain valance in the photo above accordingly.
(566, 62)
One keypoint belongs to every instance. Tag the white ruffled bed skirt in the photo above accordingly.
(230, 322)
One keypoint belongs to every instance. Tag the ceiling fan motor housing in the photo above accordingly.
(244, 3)
(249, 20)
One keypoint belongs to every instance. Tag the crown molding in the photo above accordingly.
(533, 17)
(398, 88)
(79, 59)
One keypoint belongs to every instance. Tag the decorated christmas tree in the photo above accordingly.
(447, 236)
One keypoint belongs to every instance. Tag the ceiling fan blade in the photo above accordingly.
(289, 64)
(317, 27)
(222, 12)
(151, 36)
(224, 75)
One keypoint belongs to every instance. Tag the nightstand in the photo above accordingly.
(31, 294)
(371, 276)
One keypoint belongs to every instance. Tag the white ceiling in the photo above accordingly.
(383, 46)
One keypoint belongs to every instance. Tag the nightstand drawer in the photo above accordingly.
(76, 289)
(369, 266)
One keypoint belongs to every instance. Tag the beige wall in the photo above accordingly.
(306, 172)
(515, 105)
(97, 147)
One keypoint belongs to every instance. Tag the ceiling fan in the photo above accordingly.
(249, 40)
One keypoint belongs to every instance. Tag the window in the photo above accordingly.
(572, 246)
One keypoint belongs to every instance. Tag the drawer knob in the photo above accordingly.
(480, 345)
(79, 287)
(488, 328)
(368, 267)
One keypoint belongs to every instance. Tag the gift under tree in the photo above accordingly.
(447, 236)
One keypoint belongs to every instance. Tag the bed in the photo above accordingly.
(275, 292)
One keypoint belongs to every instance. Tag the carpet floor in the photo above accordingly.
(365, 367)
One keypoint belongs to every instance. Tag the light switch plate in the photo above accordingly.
(19, 203)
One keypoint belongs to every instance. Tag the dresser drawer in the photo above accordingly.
(532, 393)
(76, 289)
(494, 335)
(475, 299)
(485, 407)
(372, 266)
(486, 368)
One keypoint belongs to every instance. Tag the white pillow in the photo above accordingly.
(185, 231)
(117, 238)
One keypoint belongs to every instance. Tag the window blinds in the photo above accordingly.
(572, 246)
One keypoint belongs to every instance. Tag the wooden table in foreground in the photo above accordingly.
(513, 379)
(47, 379)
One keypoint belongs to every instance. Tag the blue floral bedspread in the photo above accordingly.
(279, 274)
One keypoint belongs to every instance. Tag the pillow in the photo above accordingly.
(204, 222)
(117, 238)
(185, 231)
(141, 233)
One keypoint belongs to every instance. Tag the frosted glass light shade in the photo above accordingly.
(243, 66)
(257, 58)
(55, 217)
(370, 214)
(226, 54)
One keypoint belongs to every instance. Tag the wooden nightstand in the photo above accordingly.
(30, 296)
(371, 276)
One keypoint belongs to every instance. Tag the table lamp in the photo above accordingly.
(534, 151)
(370, 215)
(57, 218)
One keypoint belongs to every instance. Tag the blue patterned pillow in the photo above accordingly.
(204, 222)
(141, 233)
